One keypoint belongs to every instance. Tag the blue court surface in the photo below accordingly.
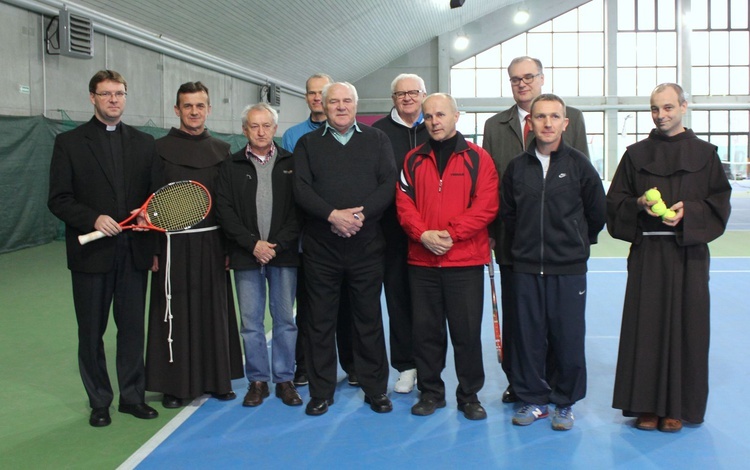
(226, 435)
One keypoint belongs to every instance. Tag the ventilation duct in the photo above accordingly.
(270, 93)
(76, 35)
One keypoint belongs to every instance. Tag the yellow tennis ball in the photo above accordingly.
(653, 195)
(659, 208)
(670, 214)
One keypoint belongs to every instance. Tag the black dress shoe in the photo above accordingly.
(140, 410)
(300, 379)
(171, 401)
(318, 406)
(353, 380)
(509, 395)
(224, 396)
(427, 406)
(100, 417)
(379, 403)
(473, 411)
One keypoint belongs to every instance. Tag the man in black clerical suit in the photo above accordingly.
(99, 173)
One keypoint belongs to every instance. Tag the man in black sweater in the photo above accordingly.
(344, 179)
(405, 127)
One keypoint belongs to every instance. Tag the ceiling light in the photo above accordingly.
(521, 16)
(462, 42)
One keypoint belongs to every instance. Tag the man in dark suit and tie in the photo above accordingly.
(99, 173)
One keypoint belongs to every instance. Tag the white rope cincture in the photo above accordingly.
(168, 280)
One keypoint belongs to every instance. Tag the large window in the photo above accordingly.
(571, 47)
(720, 47)
(650, 38)
(646, 45)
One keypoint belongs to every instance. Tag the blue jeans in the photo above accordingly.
(251, 295)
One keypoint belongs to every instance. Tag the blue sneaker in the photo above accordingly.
(563, 418)
(529, 413)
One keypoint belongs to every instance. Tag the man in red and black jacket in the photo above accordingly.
(447, 195)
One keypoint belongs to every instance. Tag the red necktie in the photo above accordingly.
(526, 129)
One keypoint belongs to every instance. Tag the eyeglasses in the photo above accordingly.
(528, 78)
(108, 94)
(402, 94)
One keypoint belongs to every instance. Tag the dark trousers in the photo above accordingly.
(455, 295)
(356, 264)
(343, 327)
(550, 313)
(92, 296)
(508, 305)
(398, 301)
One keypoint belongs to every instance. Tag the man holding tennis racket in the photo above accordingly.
(99, 172)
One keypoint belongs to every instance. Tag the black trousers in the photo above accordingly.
(507, 304)
(398, 301)
(93, 295)
(455, 296)
(357, 265)
(549, 313)
(343, 328)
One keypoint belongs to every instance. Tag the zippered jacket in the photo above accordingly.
(552, 222)
(237, 213)
(463, 202)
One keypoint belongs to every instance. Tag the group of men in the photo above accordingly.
(326, 218)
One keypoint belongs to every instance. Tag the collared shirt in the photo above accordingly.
(342, 138)
(522, 114)
(262, 159)
(397, 118)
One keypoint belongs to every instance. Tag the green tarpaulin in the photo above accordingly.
(25, 152)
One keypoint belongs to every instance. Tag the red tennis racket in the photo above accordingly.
(495, 315)
(174, 207)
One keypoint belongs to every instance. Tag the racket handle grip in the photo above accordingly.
(90, 237)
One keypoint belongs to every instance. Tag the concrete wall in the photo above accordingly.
(33, 82)
(374, 90)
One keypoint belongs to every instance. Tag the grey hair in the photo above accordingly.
(524, 58)
(405, 76)
(345, 84)
(259, 107)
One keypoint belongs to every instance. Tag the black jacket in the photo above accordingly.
(237, 215)
(82, 187)
(552, 222)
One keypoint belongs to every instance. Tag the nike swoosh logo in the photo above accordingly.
(581, 292)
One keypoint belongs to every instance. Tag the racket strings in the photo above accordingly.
(178, 206)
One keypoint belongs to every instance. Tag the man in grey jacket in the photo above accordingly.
(506, 135)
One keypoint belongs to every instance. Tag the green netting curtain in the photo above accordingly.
(25, 152)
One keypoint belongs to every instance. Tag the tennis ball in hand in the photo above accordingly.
(669, 214)
(659, 208)
(653, 195)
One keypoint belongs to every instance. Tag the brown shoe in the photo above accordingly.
(288, 394)
(647, 422)
(255, 394)
(669, 425)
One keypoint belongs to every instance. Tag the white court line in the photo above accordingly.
(163, 434)
(171, 426)
(741, 271)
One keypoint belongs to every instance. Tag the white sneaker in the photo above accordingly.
(406, 381)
